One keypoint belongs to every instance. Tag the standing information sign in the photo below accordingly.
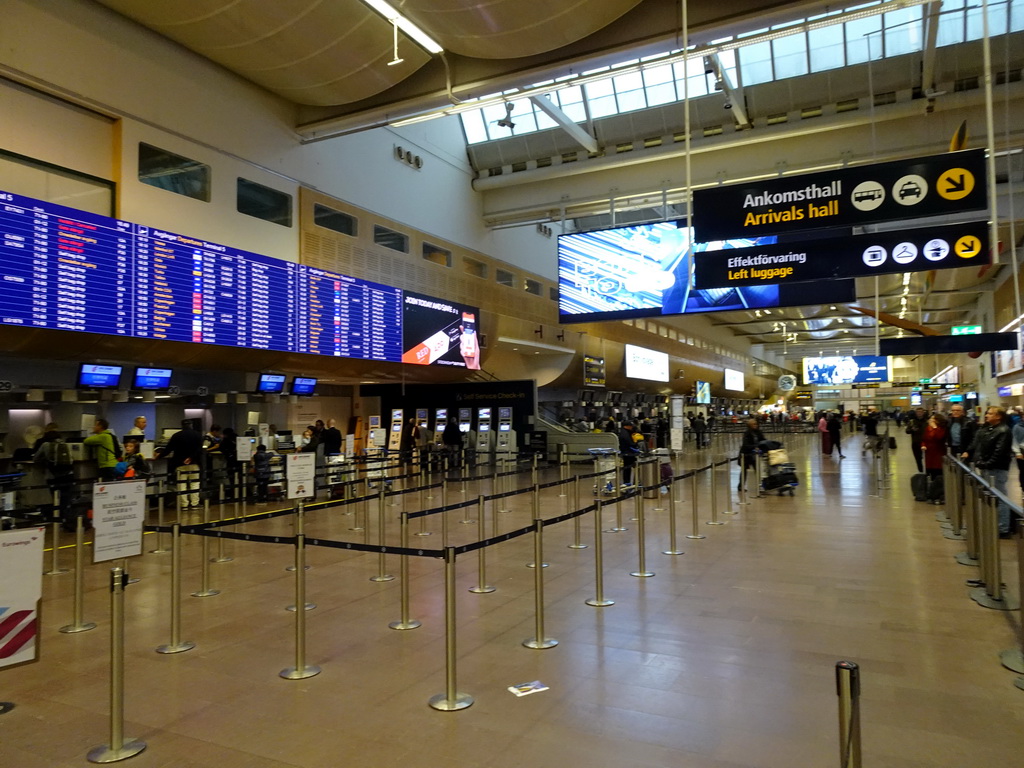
(21, 588)
(119, 511)
(301, 475)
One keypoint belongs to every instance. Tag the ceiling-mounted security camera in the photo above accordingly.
(727, 105)
(506, 121)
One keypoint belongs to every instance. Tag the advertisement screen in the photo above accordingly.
(703, 393)
(436, 332)
(647, 364)
(303, 386)
(99, 376)
(848, 369)
(734, 380)
(593, 371)
(647, 270)
(152, 378)
(270, 384)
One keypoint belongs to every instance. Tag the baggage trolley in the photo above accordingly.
(780, 477)
(604, 462)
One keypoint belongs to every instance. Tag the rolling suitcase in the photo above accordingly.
(826, 443)
(919, 487)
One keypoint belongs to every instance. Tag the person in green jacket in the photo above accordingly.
(102, 442)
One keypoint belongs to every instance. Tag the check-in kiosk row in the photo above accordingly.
(395, 435)
(484, 435)
(505, 440)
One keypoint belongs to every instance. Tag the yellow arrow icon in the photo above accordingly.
(967, 246)
(955, 184)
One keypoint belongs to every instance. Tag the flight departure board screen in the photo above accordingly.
(71, 270)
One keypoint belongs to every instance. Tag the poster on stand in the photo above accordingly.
(301, 475)
(21, 588)
(119, 511)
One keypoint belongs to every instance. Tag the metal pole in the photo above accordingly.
(55, 569)
(714, 499)
(696, 534)
(618, 527)
(300, 527)
(728, 495)
(576, 522)
(382, 574)
(848, 690)
(598, 601)
(160, 549)
(205, 591)
(641, 571)
(451, 700)
(405, 622)
(536, 517)
(673, 548)
(533, 469)
(77, 625)
(563, 468)
(444, 511)
(539, 641)
(176, 645)
(301, 670)
(119, 747)
(482, 587)
(221, 557)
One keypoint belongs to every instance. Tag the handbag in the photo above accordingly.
(892, 443)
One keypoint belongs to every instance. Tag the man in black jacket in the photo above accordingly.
(185, 453)
(752, 438)
(915, 428)
(961, 431)
(991, 452)
(331, 438)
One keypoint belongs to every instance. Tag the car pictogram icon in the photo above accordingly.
(909, 189)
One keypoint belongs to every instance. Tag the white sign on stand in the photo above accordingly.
(21, 588)
(301, 475)
(243, 448)
(119, 511)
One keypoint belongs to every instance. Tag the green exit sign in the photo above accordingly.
(966, 330)
(923, 381)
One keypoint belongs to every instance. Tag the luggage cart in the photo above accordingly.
(604, 462)
(779, 471)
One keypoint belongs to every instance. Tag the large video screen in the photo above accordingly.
(647, 269)
(734, 380)
(848, 369)
(703, 393)
(436, 332)
(643, 363)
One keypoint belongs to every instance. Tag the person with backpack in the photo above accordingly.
(185, 451)
(629, 450)
(106, 449)
(55, 455)
(261, 473)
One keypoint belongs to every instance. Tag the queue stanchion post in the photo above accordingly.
(618, 527)
(444, 511)
(599, 600)
(382, 574)
(535, 501)
(673, 548)
(221, 557)
(55, 569)
(540, 640)
(714, 497)
(1013, 659)
(403, 574)
(848, 690)
(301, 670)
(992, 593)
(463, 470)
(970, 555)
(695, 534)
(205, 590)
(728, 495)
(451, 700)
(160, 502)
(119, 747)
(176, 645)
(482, 587)
(300, 527)
(533, 469)
(641, 571)
(563, 469)
(576, 522)
(77, 625)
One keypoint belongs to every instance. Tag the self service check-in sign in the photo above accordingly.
(915, 250)
(905, 189)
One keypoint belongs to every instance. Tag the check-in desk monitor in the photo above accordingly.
(378, 439)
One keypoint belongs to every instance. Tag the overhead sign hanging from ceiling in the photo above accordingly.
(904, 189)
(915, 250)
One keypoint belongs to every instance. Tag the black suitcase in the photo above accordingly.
(778, 481)
(919, 487)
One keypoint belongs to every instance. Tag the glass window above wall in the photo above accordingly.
(264, 202)
(174, 173)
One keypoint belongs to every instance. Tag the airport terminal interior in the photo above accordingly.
(373, 389)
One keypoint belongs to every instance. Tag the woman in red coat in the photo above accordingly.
(933, 441)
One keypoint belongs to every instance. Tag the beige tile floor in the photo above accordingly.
(724, 659)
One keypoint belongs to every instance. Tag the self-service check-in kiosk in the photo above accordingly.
(505, 438)
(377, 439)
(465, 420)
(484, 434)
(395, 434)
(440, 421)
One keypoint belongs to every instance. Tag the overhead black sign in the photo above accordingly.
(905, 189)
(914, 250)
(942, 345)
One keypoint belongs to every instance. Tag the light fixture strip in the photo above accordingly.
(394, 17)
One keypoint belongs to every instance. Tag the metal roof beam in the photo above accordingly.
(584, 139)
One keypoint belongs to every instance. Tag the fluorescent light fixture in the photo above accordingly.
(396, 18)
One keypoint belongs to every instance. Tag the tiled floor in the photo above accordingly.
(723, 659)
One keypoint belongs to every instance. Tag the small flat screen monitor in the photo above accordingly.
(504, 426)
(504, 413)
(152, 378)
(485, 426)
(303, 386)
(484, 413)
(396, 426)
(99, 376)
(270, 384)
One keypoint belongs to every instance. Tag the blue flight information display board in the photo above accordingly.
(66, 269)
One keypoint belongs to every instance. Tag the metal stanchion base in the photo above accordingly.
(159, 551)
(383, 578)
(292, 567)
(696, 536)
(576, 546)
(179, 648)
(70, 629)
(539, 645)
(641, 574)
(672, 552)
(715, 522)
(222, 559)
(422, 533)
(104, 754)
(466, 522)
(6, 706)
(1019, 683)
(484, 590)
(206, 593)
(615, 530)
(599, 603)
(133, 580)
(294, 673)
(442, 703)
(964, 559)
(356, 528)
(953, 536)
(730, 512)
(982, 598)
(411, 624)
(942, 517)
(534, 565)
(309, 607)
(1013, 660)
(58, 572)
